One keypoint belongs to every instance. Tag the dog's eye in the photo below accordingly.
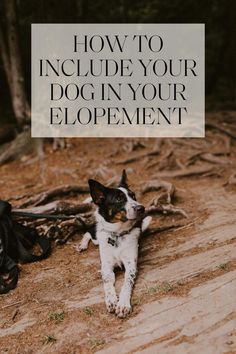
(120, 198)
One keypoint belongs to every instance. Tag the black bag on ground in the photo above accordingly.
(16, 241)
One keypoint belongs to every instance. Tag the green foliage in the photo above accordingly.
(88, 311)
(56, 316)
(162, 288)
(222, 266)
(95, 343)
(49, 339)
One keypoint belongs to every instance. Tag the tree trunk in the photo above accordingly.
(12, 64)
(5, 58)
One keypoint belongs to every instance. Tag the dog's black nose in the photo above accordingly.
(140, 209)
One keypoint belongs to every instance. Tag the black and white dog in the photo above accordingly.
(119, 223)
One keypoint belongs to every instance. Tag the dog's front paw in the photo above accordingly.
(81, 247)
(123, 309)
(145, 223)
(111, 303)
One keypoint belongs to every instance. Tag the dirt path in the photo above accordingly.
(184, 298)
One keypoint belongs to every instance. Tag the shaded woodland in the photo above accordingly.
(17, 16)
(187, 257)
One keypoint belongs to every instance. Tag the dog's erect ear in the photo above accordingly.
(123, 181)
(97, 191)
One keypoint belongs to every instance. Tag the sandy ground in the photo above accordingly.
(184, 298)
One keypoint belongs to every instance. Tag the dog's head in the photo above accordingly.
(116, 204)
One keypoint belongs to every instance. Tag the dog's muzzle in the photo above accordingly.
(139, 209)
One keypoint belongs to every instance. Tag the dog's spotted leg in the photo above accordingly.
(123, 307)
(83, 245)
(108, 277)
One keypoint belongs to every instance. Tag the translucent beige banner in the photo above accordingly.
(116, 80)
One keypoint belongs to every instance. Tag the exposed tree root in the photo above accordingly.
(58, 207)
(81, 216)
(195, 171)
(162, 203)
(128, 146)
(158, 229)
(188, 143)
(231, 180)
(139, 157)
(101, 172)
(64, 171)
(227, 144)
(214, 159)
(62, 231)
(169, 189)
(80, 219)
(221, 129)
(46, 196)
(165, 161)
(207, 157)
(21, 145)
(59, 144)
(157, 207)
(133, 145)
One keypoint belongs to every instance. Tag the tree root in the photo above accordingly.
(101, 172)
(57, 207)
(169, 189)
(21, 145)
(207, 157)
(221, 129)
(231, 180)
(59, 230)
(164, 161)
(46, 196)
(157, 207)
(71, 218)
(64, 171)
(139, 157)
(155, 230)
(214, 159)
(185, 172)
(133, 145)
(162, 203)
(189, 143)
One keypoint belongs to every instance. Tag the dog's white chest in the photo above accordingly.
(117, 249)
